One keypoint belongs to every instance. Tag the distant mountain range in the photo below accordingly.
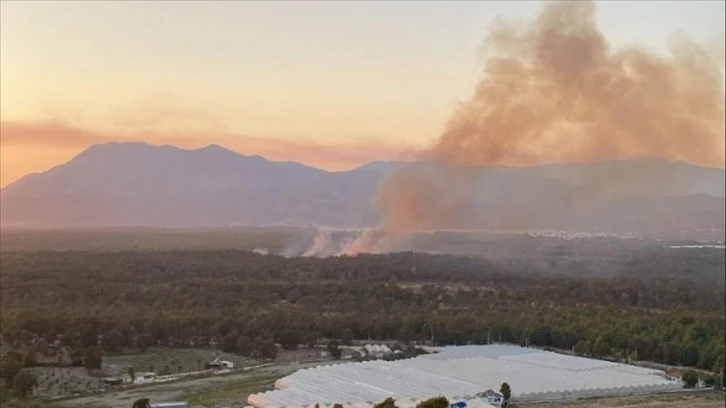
(135, 184)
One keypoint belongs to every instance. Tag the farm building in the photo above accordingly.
(460, 373)
(218, 364)
(143, 378)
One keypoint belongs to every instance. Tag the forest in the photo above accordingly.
(655, 304)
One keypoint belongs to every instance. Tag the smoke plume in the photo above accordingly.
(554, 90)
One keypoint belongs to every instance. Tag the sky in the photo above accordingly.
(332, 84)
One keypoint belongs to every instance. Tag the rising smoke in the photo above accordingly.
(554, 90)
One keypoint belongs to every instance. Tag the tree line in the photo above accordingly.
(246, 303)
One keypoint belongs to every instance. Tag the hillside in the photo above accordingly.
(135, 184)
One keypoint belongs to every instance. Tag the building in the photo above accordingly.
(492, 397)
(460, 373)
(143, 378)
(219, 365)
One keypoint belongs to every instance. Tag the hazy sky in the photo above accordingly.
(358, 80)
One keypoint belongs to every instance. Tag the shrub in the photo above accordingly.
(689, 378)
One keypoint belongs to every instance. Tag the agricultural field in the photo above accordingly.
(228, 390)
(68, 381)
(164, 361)
(64, 381)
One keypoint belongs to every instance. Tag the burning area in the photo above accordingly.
(554, 90)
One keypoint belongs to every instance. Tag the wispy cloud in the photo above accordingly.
(48, 136)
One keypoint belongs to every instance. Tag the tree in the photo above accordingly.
(30, 358)
(23, 383)
(601, 348)
(132, 373)
(334, 350)
(346, 337)
(709, 381)
(89, 337)
(506, 392)
(77, 357)
(141, 403)
(244, 345)
(436, 402)
(582, 348)
(689, 378)
(387, 403)
(310, 338)
(269, 350)
(9, 368)
(144, 341)
(93, 359)
(112, 340)
(230, 343)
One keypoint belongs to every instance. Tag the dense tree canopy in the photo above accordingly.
(653, 304)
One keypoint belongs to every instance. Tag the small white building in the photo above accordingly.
(492, 397)
(377, 351)
(144, 378)
(218, 364)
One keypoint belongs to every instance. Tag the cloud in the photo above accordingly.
(47, 134)
(60, 135)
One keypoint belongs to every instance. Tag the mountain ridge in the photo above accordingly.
(134, 183)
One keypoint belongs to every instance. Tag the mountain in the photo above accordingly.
(130, 184)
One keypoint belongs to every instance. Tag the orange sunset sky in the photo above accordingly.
(329, 84)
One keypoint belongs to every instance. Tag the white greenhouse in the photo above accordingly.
(459, 373)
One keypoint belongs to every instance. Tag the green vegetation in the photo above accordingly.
(227, 392)
(647, 303)
(141, 403)
(506, 392)
(10, 366)
(23, 383)
(387, 403)
(437, 402)
(156, 358)
(689, 378)
(93, 358)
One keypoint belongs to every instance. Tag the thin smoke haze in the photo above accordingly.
(554, 90)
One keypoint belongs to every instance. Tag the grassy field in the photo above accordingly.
(68, 381)
(229, 394)
(170, 361)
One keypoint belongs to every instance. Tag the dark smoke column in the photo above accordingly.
(555, 91)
